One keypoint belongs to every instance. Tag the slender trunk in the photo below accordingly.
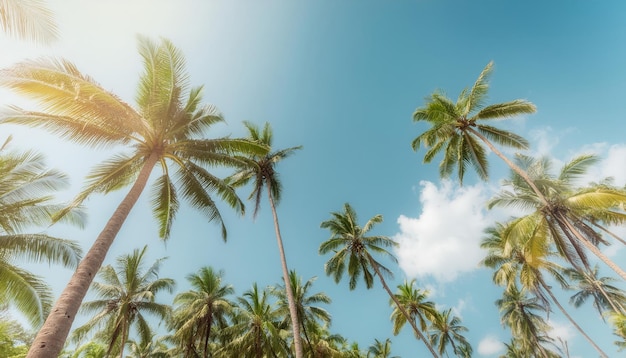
(297, 339)
(512, 165)
(123, 339)
(208, 334)
(610, 233)
(591, 247)
(401, 308)
(52, 335)
(558, 304)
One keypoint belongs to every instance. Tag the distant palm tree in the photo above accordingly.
(91, 349)
(414, 301)
(28, 20)
(446, 329)
(380, 349)
(606, 297)
(166, 131)
(530, 331)
(522, 256)
(351, 247)
(26, 188)
(309, 314)
(264, 174)
(256, 329)
(125, 294)
(457, 128)
(150, 348)
(201, 309)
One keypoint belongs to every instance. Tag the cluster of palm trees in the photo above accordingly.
(562, 225)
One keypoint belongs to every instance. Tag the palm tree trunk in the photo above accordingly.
(511, 165)
(400, 307)
(547, 289)
(52, 335)
(297, 339)
(591, 247)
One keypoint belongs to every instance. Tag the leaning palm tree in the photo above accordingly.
(201, 309)
(263, 173)
(351, 247)
(308, 312)
(414, 301)
(28, 20)
(26, 186)
(457, 128)
(566, 217)
(446, 329)
(523, 255)
(165, 131)
(125, 294)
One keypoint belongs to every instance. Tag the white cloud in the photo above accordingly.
(565, 331)
(444, 240)
(489, 345)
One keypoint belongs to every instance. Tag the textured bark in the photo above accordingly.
(297, 339)
(401, 308)
(52, 335)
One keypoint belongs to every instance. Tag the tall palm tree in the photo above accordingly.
(256, 330)
(380, 349)
(200, 309)
(566, 217)
(351, 247)
(457, 128)
(606, 297)
(446, 329)
(26, 188)
(308, 312)
(125, 294)
(522, 255)
(165, 131)
(263, 173)
(519, 312)
(28, 20)
(414, 301)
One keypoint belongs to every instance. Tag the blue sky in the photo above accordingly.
(342, 78)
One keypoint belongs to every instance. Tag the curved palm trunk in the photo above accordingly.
(297, 339)
(401, 308)
(52, 335)
(549, 291)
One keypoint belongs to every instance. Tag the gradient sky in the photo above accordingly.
(342, 78)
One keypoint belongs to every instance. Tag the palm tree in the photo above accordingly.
(446, 329)
(518, 312)
(165, 131)
(521, 255)
(149, 348)
(28, 20)
(323, 344)
(264, 174)
(380, 349)
(618, 320)
(91, 349)
(457, 129)
(256, 330)
(200, 309)
(606, 297)
(125, 294)
(569, 209)
(414, 302)
(25, 202)
(351, 247)
(307, 312)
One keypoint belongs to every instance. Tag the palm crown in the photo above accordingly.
(457, 128)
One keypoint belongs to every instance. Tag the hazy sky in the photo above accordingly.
(342, 78)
